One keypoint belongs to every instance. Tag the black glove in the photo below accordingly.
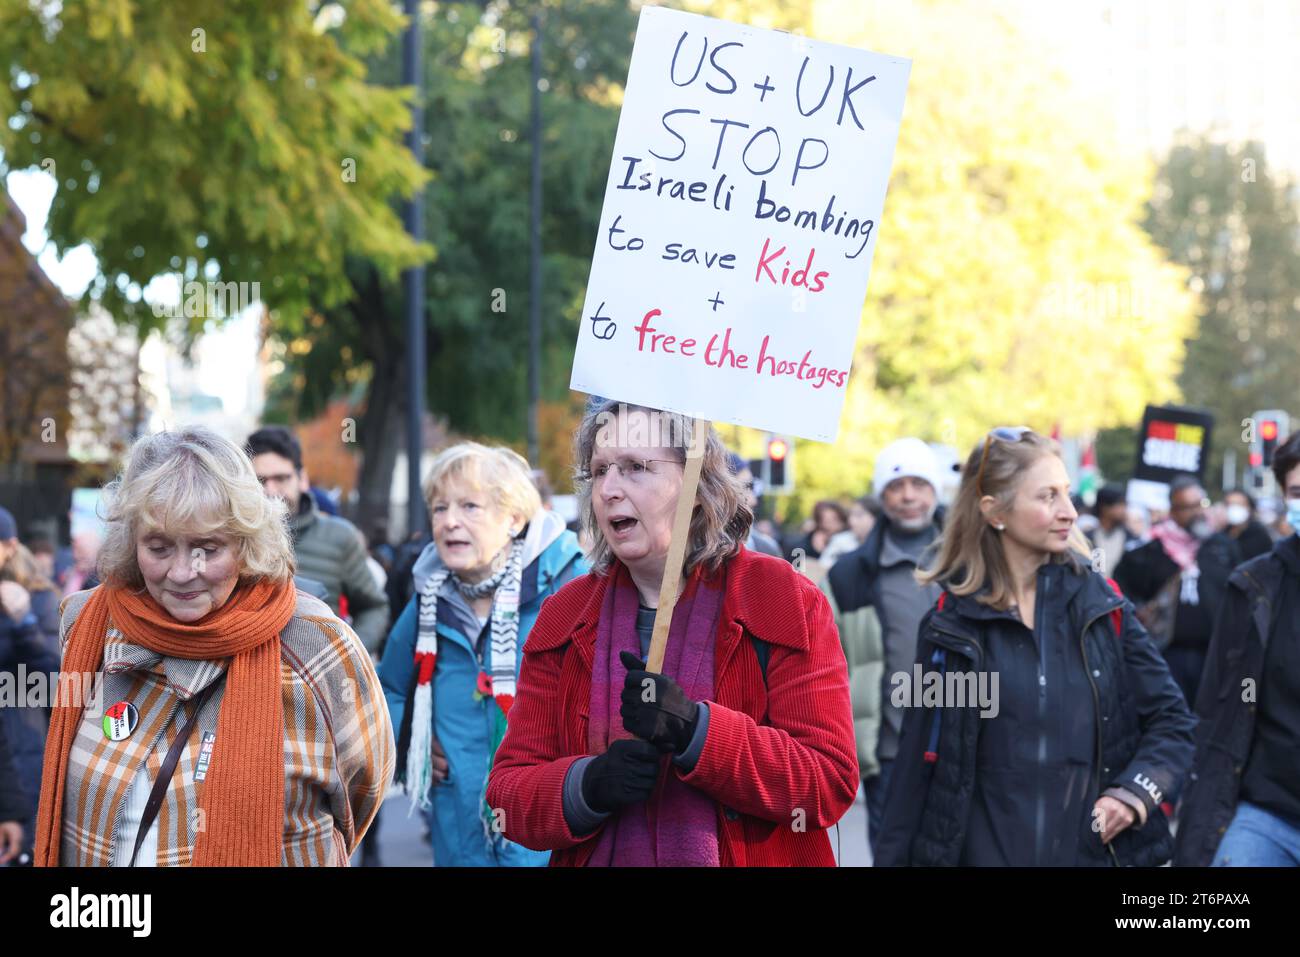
(668, 719)
(624, 774)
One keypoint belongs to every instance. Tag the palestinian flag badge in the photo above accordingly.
(120, 720)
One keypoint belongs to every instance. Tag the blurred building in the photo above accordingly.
(35, 319)
(108, 400)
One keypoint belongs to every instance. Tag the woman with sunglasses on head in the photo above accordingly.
(1084, 733)
(740, 753)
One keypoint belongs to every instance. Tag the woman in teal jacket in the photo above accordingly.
(452, 659)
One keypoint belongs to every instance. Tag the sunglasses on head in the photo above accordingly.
(1006, 433)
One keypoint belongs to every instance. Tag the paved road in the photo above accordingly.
(402, 844)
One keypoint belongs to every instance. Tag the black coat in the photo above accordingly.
(14, 800)
(400, 585)
(1227, 728)
(1143, 571)
(1254, 541)
(22, 644)
(1141, 730)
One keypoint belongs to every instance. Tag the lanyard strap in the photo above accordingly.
(159, 791)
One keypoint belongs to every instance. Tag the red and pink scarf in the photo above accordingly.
(1180, 544)
(678, 826)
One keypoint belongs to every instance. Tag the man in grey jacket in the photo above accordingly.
(880, 575)
(328, 548)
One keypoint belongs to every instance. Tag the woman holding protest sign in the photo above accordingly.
(741, 752)
(1084, 733)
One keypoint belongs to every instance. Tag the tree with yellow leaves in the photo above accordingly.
(1013, 283)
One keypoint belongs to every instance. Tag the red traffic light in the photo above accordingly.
(777, 449)
(1256, 459)
(1268, 430)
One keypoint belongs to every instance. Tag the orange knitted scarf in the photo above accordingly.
(243, 796)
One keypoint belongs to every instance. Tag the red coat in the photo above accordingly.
(779, 760)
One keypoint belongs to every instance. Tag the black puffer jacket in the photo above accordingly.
(22, 646)
(1109, 688)
(13, 799)
(1247, 620)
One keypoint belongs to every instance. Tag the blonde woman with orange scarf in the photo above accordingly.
(231, 720)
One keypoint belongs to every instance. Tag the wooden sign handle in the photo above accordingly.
(677, 546)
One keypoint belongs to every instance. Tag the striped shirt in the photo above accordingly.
(338, 745)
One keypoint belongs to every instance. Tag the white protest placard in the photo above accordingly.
(741, 213)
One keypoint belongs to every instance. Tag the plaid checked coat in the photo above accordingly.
(338, 743)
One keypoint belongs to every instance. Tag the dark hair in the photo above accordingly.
(1108, 495)
(1286, 458)
(277, 439)
(872, 505)
(1250, 499)
(832, 506)
(1182, 483)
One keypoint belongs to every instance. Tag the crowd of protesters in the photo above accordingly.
(1144, 665)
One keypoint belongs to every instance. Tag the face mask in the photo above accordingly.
(1237, 514)
(1293, 513)
(1200, 529)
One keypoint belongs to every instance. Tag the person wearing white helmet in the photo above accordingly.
(879, 604)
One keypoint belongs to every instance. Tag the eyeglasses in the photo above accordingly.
(634, 470)
(1006, 434)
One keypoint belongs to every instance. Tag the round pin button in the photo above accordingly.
(120, 720)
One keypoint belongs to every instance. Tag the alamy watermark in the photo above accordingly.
(21, 688)
(209, 300)
(630, 427)
(77, 910)
(950, 689)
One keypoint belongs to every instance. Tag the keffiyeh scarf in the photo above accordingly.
(498, 682)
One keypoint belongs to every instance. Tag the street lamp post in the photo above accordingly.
(535, 250)
(413, 278)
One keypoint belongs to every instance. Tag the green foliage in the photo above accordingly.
(211, 138)
(1117, 452)
(1221, 211)
(1012, 283)
(477, 102)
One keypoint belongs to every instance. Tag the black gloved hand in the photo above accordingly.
(624, 774)
(667, 719)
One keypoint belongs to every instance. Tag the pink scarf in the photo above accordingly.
(678, 826)
(1180, 544)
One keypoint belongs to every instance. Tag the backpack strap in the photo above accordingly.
(762, 651)
(1116, 616)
